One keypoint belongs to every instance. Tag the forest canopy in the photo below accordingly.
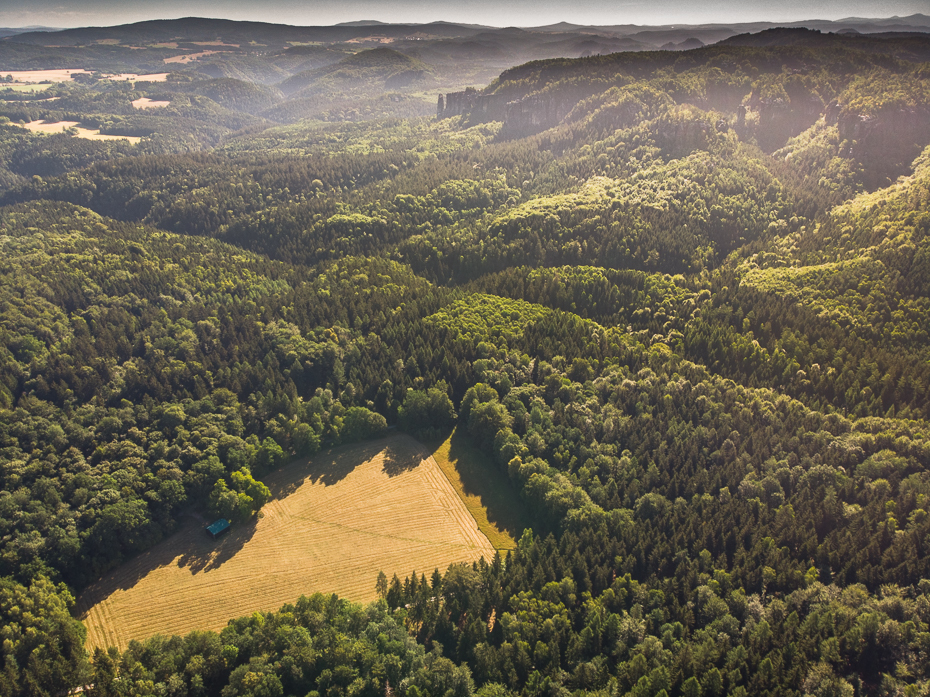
(678, 298)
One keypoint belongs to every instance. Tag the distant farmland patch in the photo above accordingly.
(146, 103)
(29, 87)
(61, 126)
(188, 57)
(333, 524)
(135, 77)
(31, 77)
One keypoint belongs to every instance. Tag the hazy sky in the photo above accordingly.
(71, 13)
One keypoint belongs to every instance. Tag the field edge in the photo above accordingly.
(487, 493)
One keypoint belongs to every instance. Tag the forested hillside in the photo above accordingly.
(682, 300)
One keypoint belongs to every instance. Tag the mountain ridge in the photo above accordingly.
(202, 28)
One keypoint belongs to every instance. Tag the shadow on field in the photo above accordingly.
(207, 554)
(399, 458)
(327, 468)
(482, 478)
(191, 547)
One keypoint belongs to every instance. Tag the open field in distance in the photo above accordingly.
(60, 126)
(332, 525)
(29, 76)
(146, 103)
(135, 77)
(188, 57)
(27, 87)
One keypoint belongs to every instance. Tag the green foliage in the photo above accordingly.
(880, 90)
(330, 645)
(426, 412)
(681, 299)
(269, 456)
(361, 423)
(487, 319)
(43, 646)
(225, 503)
(486, 420)
(243, 500)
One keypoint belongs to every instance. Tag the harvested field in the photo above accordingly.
(50, 127)
(32, 77)
(59, 126)
(332, 525)
(188, 57)
(34, 87)
(146, 103)
(484, 489)
(135, 77)
(62, 75)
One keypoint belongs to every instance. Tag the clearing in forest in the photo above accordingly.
(188, 57)
(57, 75)
(135, 77)
(484, 489)
(332, 525)
(146, 103)
(27, 88)
(79, 132)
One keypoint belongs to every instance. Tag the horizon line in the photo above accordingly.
(376, 22)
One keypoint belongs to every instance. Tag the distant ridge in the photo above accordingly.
(360, 23)
(378, 23)
(231, 31)
(915, 19)
(281, 35)
(799, 36)
(685, 45)
(11, 31)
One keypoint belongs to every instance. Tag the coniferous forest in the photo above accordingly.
(681, 298)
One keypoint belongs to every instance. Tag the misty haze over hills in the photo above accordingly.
(194, 28)
(655, 298)
(459, 54)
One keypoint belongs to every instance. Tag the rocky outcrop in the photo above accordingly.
(886, 142)
(480, 107)
(781, 119)
(535, 113)
(775, 120)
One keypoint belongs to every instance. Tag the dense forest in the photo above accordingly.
(681, 298)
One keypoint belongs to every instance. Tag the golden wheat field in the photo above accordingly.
(62, 75)
(61, 126)
(333, 524)
(146, 103)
